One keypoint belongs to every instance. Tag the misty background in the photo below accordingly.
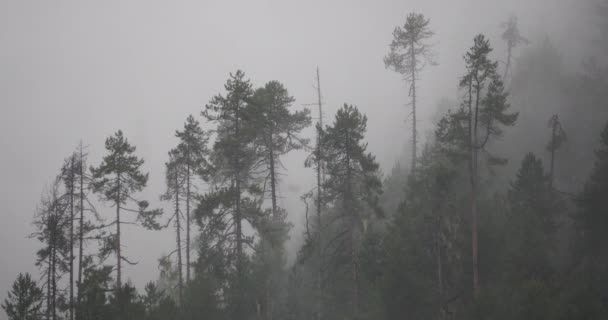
(86, 69)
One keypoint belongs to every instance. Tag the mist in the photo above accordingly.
(78, 72)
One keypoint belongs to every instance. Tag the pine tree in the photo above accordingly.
(233, 195)
(409, 53)
(277, 133)
(513, 38)
(465, 133)
(116, 179)
(191, 154)
(353, 186)
(24, 301)
(175, 177)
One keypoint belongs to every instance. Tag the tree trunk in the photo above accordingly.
(414, 132)
(439, 267)
(553, 136)
(179, 245)
(238, 218)
(474, 184)
(71, 265)
(80, 234)
(188, 216)
(118, 255)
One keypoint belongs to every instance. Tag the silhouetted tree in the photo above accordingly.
(116, 179)
(409, 53)
(191, 155)
(513, 39)
(353, 186)
(24, 301)
(466, 132)
(277, 133)
(233, 194)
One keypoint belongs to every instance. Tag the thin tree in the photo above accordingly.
(175, 180)
(513, 39)
(482, 115)
(69, 176)
(191, 154)
(409, 53)
(52, 224)
(116, 179)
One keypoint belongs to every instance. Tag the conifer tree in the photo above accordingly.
(233, 194)
(464, 134)
(175, 180)
(353, 186)
(191, 155)
(513, 39)
(277, 133)
(24, 301)
(116, 179)
(409, 53)
(558, 136)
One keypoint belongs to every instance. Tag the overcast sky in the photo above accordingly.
(80, 70)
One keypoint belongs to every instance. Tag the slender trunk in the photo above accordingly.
(439, 266)
(238, 218)
(118, 255)
(553, 136)
(508, 66)
(414, 132)
(48, 288)
(179, 238)
(272, 179)
(71, 265)
(319, 204)
(348, 201)
(54, 271)
(474, 185)
(188, 216)
(80, 233)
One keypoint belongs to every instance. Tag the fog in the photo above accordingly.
(74, 71)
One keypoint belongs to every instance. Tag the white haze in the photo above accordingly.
(80, 70)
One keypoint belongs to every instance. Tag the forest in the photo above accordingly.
(495, 212)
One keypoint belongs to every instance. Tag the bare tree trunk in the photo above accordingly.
(179, 245)
(439, 267)
(272, 181)
(553, 137)
(413, 88)
(71, 265)
(48, 288)
(118, 255)
(474, 185)
(238, 217)
(508, 66)
(80, 234)
(188, 217)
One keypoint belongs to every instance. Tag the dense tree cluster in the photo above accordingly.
(470, 230)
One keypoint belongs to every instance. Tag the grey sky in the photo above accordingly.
(80, 70)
